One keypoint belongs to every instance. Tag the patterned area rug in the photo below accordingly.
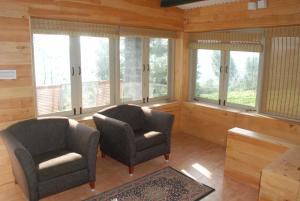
(166, 184)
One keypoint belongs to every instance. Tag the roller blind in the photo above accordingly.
(45, 26)
(235, 41)
(154, 33)
(281, 88)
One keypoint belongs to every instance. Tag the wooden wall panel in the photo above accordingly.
(248, 153)
(17, 96)
(280, 180)
(277, 187)
(14, 29)
(207, 123)
(236, 16)
(15, 40)
(6, 174)
(212, 122)
(119, 12)
(267, 125)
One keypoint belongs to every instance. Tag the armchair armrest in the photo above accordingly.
(84, 140)
(118, 136)
(23, 166)
(159, 121)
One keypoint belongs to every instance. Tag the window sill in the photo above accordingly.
(224, 108)
(153, 105)
(240, 111)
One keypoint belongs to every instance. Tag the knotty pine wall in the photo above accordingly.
(236, 16)
(212, 123)
(17, 96)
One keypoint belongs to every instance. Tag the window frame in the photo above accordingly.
(76, 79)
(114, 75)
(224, 82)
(171, 56)
(146, 73)
(62, 113)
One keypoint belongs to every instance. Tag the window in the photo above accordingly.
(144, 68)
(208, 74)
(227, 77)
(226, 67)
(131, 68)
(82, 67)
(159, 67)
(242, 78)
(66, 83)
(272, 90)
(95, 67)
(52, 73)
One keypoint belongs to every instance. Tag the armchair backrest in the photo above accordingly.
(130, 114)
(41, 135)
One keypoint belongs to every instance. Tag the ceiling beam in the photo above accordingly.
(169, 3)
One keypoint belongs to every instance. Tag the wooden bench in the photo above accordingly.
(264, 162)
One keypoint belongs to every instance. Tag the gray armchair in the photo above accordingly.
(50, 155)
(132, 135)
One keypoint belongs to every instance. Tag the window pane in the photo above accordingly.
(131, 68)
(243, 77)
(52, 73)
(159, 63)
(95, 71)
(208, 74)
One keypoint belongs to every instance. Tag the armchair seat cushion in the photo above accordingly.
(146, 139)
(57, 163)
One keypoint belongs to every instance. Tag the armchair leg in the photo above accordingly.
(167, 156)
(102, 154)
(92, 185)
(131, 170)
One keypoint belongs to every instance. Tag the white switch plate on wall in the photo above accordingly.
(8, 74)
(262, 4)
(252, 5)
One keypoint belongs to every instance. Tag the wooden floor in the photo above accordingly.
(199, 159)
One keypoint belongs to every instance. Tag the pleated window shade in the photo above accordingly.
(45, 26)
(281, 88)
(143, 32)
(234, 41)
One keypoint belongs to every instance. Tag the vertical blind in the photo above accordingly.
(281, 87)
